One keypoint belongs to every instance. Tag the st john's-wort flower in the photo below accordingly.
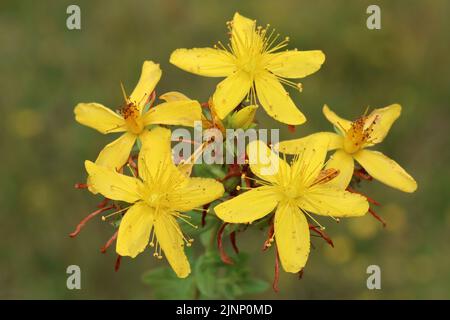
(158, 196)
(254, 67)
(351, 144)
(294, 191)
(132, 118)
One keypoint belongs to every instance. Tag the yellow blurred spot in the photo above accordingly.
(365, 227)
(25, 123)
(395, 216)
(38, 196)
(342, 251)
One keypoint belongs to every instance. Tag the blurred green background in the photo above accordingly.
(45, 69)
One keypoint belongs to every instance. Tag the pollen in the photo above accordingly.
(359, 134)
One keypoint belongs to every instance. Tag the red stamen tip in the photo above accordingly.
(80, 186)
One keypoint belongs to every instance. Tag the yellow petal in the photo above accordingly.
(230, 93)
(243, 35)
(150, 75)
(339, 123)
(206, 62)
(295, 64)
(183, 113)
(310, 160)
(168, 234)
(134, 230)
(155, 158)
(195, 193)
(98, 117)
(173, 96)
(248, 206)
(115, 154)
(384, 118)
(265, 163)
(343, 162)
(243, 118)
(292, 237)
(327, 200)
(295, 146)
(276, 101)
(386, 170)
(114, 185)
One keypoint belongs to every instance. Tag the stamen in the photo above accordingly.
(114, 213)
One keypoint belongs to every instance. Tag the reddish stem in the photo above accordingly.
(80, 186)
(370, 200)
(117, 265)
(376, 216)
(322, 234)
(363, 175)
(87, 218)
(103, 203)
(109, 242)
(223, 255)
(233, 242)
(276, 277)
(291, 128)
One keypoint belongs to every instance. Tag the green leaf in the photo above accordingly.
(215, 279)
(166, 285)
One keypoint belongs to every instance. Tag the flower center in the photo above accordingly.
(132, 118)
(291, 192)
(358, 135)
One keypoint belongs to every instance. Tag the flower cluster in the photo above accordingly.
(155, 197)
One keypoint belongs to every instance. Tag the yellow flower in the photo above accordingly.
(253, 67)
(351, 143)
(157, 198)
(295, 191)
(132, 119)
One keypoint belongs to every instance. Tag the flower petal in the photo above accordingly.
(98, 117)
(173, 96)
(384, 118)
(339, 123)
(295, 64)
(265, 163)
(295, 146)
(243, 118)
(169, 236)
(150, 75)
(134, 230)
(386, 170)
(292, 237)
(328, 200)
(310, 160)
(206, 62)
(155, 158)
(115, 154)
(276, 101)
(343, 162)
(113, 185)
(230, 93)
(183, 113)
(243, 35)
(248, 206)
(195, 193)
